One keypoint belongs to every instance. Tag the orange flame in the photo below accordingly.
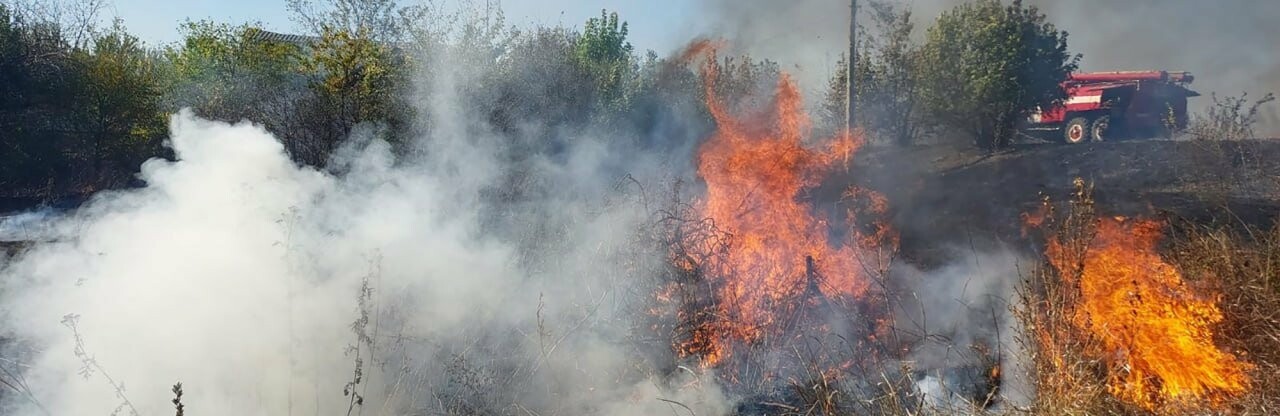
(756, 170)
(1156, 335)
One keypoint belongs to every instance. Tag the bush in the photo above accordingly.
(1230, 118)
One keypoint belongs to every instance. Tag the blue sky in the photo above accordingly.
(655, 24)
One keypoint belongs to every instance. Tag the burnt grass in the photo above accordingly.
(945, 199)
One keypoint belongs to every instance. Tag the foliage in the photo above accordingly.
(986, 66)
(77, 19)
(225, 72)
(538, 80)
(122, 103)
(741, 78)
(37, 80)
(381, 20)
(313, 91)
(1230, 118)
(354, 75)
(74, 116)
(604, 52)
(234, 73)
(887, 81)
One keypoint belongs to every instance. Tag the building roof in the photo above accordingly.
(269, 36)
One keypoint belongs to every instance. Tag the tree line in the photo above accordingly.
(81, 107)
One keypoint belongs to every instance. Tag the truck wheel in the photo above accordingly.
(1076, 130)
(1100, 130)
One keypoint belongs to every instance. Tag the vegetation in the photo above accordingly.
(603, 52)
(356, 67)
(85, 105)
(81, 108)
(984, 66)
(82, 112)
(987, 65)
(74, 115)
(887, 87)
(1230, 118)
(1227, 257)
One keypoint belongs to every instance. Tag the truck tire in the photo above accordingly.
(1100, 129)
(1076, 130)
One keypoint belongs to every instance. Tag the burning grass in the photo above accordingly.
(1118, 328)
(1243, 262)
(793, 313)
(782, 261)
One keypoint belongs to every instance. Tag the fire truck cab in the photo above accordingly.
(1112, 105)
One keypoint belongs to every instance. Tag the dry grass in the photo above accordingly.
(1067, 380)
(1242, 261)
(1239, 262)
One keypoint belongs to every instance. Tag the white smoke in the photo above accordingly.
(27, 226)
(243, 276)
(954, 309)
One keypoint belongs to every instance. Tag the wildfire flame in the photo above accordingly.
(1154, 332)
(756, 170)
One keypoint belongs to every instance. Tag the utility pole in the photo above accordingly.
(849, 90)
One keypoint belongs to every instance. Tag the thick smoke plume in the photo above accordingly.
(1228, 45)
(452, 280)
(471, 276)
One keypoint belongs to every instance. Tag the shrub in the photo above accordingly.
(1230, 118)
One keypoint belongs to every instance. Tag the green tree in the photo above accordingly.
(39, 80)
(986, 66)
(226, 72)
(604, 52)
(382, 20)
(357, 80)
(742, 78)
(534, 81)
(887, 81)
(74, 118)
(122, 107)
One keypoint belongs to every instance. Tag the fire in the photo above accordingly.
(756, 171)
(1155, 333)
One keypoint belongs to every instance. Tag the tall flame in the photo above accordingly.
(756, 170)
(1155, 333)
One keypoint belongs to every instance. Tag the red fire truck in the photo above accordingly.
(1112, 105)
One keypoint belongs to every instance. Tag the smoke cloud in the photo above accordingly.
(467, 276)
(430, 283)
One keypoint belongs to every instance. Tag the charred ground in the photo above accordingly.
(947, 197)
